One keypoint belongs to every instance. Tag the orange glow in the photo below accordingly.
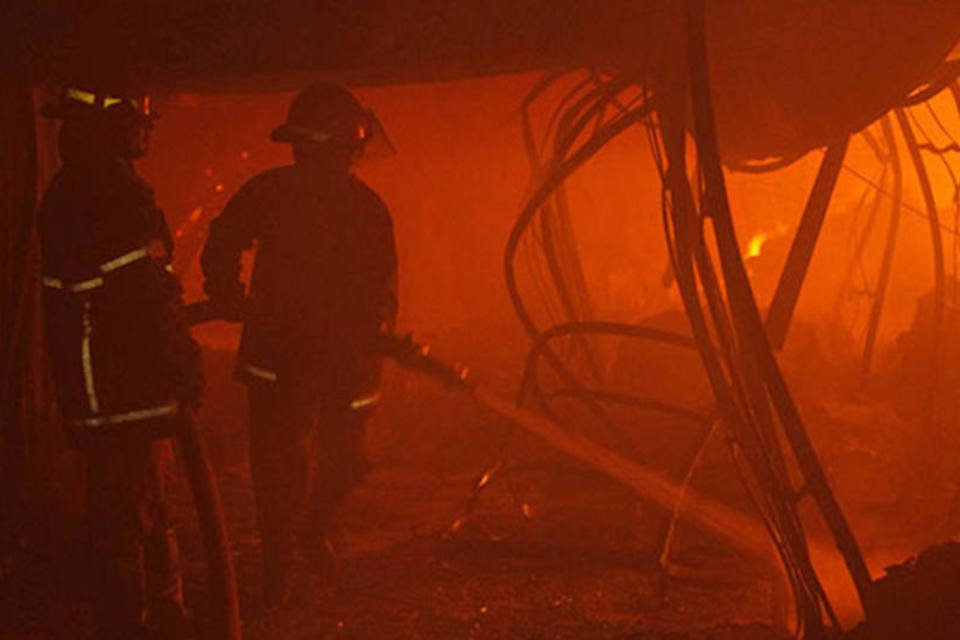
(454, 204)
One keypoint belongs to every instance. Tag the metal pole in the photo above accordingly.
(939, 276)
(886, 264)
(746, 316)
(804, 242)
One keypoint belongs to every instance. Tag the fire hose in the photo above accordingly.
(213, 528)
(737, 529)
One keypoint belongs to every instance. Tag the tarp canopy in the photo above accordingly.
(788, 75)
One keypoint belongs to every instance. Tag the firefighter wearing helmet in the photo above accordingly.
(124, 364)
(323, 288)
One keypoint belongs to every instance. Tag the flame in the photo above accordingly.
(755, 244)
(759, 240)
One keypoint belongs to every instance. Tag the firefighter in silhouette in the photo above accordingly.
(323, 288)
(124, 364)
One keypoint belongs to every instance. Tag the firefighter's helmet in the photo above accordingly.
(77, 100)
(102, 119)
(326, 113)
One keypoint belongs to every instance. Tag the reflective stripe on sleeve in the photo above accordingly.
(130, 416)
(365, 401)
(124, 260)
(257, 372)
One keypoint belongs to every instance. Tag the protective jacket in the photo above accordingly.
(323, 284)
(122, 356)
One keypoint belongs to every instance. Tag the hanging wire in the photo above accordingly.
(595, 113)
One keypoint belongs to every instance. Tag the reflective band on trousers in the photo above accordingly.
(257, 372)
(129, 416)
(365, 401)
(87, 360)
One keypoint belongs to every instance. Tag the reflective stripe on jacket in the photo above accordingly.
(120, 351)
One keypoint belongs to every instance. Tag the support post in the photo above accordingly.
(886, 263)
(18, 288)
(939, 277)
(804, 242)
(750, 329)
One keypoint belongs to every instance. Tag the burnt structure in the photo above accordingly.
(745, 83)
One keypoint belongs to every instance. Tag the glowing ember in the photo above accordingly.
(484, 480)
(195, 214)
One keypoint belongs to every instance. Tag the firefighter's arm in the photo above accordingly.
(231, 233)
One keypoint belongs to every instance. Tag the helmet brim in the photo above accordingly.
(61, 109)
(376, 145)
